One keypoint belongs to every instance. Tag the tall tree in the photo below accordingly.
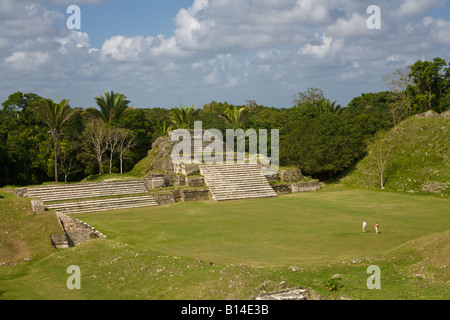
(163, 128)
(112, 138)
(113, 107)
(400, 101)
(311, 95)
(183, 117)
(96, 142)
(126, 141)
(326, 106)
(54, 116)
(236, 116)
(380, 151)
(431, 80)
(68, 161)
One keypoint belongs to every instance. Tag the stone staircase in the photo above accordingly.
(86, 206)
(236, 181)
(87, 190)
(113, 195)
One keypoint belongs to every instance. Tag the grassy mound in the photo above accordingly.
(24, 236)
(419, 160)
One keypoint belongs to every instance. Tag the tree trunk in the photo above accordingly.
(100, 167)
(381, 181)
(121, 164)
(56, 161)
(429, 100)
(110, 162)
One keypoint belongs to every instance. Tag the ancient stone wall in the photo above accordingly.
(20, 192)
(195, 195)
(305, 186)
(282, 188)
(164, 198)
(194, 181)
(75, 232)
(186, 169)
(290, 175)
(37, 205)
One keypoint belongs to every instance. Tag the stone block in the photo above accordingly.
(20, 192)
(158, 183)
(305, 186)
(282, 188)
(75, 232)
(272, 177)
(186, 169)
(165, 198)
(179, 180)
(177, 194)
(38, 206)
(191, 169)
(60, 241)
(195, 195)
(194, 181)
(291, 175)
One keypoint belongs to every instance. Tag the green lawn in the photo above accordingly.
(296, 228)
(255, 246)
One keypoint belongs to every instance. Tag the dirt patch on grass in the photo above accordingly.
(13, 249)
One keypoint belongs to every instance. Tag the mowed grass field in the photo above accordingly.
(236, 249)
(295, 228)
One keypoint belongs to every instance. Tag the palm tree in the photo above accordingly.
(163, 128)
(55, 115)
(235, 115)
(184, 117)
(326, 106)
(113, 107)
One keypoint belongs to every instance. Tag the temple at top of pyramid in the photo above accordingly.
(181, 148)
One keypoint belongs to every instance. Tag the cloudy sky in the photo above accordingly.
(163, 53)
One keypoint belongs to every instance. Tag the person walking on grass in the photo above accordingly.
(364, 226)
(376, 227)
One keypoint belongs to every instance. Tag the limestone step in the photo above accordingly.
(87, 190)
(86, 206)
(236, 181)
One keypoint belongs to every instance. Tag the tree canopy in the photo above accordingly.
(41, 139)
(113, 107)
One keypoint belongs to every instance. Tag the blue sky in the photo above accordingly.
(190, 52)
(130, 18)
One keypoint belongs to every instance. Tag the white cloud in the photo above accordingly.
(20, 22)
(30, 61)
(223, 49)
(121, 48)
(440, 29)
(415, 7)
(355, 26)
(318, 50)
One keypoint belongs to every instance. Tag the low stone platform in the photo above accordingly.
(60, 192)
(86, 206)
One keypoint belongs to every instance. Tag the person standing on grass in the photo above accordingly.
(364, 226)
(376, 228)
